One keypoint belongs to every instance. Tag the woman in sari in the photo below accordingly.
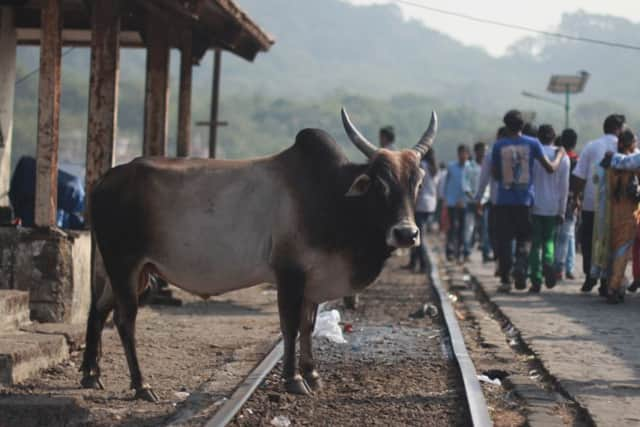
(616, 224)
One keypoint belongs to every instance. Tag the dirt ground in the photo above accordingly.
(394, 370)
(192, 355)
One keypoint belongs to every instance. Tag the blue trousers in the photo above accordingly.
(566, 246)
(456, 244)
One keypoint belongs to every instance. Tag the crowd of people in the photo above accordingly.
(523, 201)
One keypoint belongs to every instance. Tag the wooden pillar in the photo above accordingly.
(7, 91)
(103, 111)
(156, 99)
(103, 90)
(46, 199)
(215, 100)
(184, 102)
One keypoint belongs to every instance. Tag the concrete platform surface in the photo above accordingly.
(592, 348)
(14, 309)
(23, 354)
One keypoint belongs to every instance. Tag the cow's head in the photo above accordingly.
(391, 183)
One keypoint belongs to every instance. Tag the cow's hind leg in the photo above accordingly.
(290, 295)
(126, 310)
(101, 306)
(307, 365)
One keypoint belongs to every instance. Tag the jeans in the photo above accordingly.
(542, 246)
(566, 246)
(469, 228)
(485, 240)
(586, 236)
(455, 235)
(419, 253)
(513, 222)
(492, 229)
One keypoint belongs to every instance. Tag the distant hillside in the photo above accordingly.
(331, 44)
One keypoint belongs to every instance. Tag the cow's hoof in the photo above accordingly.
(297, 385)
(92, 381)
(313, 381)
(146, 393)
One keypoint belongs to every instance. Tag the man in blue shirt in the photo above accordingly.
(456, 201)
(512, 160)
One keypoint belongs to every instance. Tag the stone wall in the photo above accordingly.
(53, 265)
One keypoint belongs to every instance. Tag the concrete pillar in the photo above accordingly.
(48, 114)
(7, 89)
(156, 99)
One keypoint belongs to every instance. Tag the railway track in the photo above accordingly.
(395, 369)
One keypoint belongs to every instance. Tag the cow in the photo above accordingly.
(306, 219)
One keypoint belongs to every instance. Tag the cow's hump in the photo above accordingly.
(318, 146)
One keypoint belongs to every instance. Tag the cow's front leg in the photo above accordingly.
(307, 365)
(290, 295)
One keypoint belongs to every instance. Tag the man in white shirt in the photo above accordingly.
(582, 182)
(488, 208)
(426, 203)
(550, 203)
(474, 221)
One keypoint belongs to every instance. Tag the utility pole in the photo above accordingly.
(213, 122)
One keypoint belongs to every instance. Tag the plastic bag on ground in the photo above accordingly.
(281, 421)
(328, 326)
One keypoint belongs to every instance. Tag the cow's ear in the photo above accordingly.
(360, 186)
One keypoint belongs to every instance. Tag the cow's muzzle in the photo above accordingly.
(405, 234)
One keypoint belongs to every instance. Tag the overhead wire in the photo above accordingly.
(517, 26)
(36, 70)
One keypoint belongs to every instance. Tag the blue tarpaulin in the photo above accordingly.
(23, 190)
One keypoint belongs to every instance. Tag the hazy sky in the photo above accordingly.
(540, 14)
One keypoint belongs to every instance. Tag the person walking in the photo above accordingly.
(628, 162)
(615, 220)
(456, 201)
(513, 158)
(565, 247)
(441, 210)
(549, 206)
(582, 184)
(426, 204)
(475, 228)
(487, 181)
(387, 137)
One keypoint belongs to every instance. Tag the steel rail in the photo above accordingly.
(248, 386)
(473, 391)
(475, 398)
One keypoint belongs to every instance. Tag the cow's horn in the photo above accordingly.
(367, 148)
(425, 143)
